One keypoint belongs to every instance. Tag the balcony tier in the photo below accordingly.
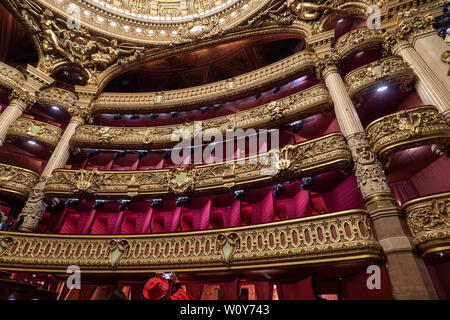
(357, 40)
(36, 130)
(291, 162)
(408, 129)
(10, 77)
(297, 106)
(429, 221)
(269, 76)
(329, 238)
(16, 181)
(388, 70)
(57, 97)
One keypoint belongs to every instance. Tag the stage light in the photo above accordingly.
(125, 205)
(183, 201)
(308, 183)
(204, 109)
(32, 142)
(98, 204)
(156, 203)
(154, 116)
(239, 195)
(279, 190)
(382, 88)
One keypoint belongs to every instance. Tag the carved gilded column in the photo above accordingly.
(408, 274)
(428, 85)
(19, 101)
(35, 206)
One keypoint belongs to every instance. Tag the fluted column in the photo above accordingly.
(19, 101)
(428, 85)
(35, 206)
(408, 274)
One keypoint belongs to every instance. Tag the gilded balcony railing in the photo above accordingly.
(328, 238)
(10, 77)
(270, 75)
(57, 97)
(428, 219)
(36, 130)
(294, 161)
(367, 78)
(16, 181)
(357, 40)
(297, 106)
(408, 129)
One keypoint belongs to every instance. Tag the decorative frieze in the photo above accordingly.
(358, 40)
(428, 219)
(287, 68)
(328, 238)
(408, 129)
(40, 131)
(57, 97)
(320, 155)
(10, 77)
(365, 79)
(16, 181)
(297, 106)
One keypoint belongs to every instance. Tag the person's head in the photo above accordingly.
(156, 288)
(117, 295)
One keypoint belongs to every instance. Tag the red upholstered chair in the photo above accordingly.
(196, 216)
(107, 219)
(293, 207)
(102, 162)
(255, 212)
(78, 221)
(152, 161)
(127, 163)
(167, 218)
(345, 196)
(226, 212)
(137, 218)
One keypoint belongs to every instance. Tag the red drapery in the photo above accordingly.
(229, 290)
(300, 290)
(195, 289)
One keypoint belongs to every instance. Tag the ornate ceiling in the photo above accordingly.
(155, 21)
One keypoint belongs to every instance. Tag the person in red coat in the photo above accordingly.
(157, 288)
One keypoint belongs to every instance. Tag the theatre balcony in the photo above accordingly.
(255, 81)
(17, 182)
(54, 96)
(358, 40)
(330, 238)
(429, 221)
(271, 115)
(292, 162)
(42, 132)
(10, 77)
(408, 129)
(367, 78)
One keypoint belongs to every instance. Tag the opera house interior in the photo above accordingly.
(256, 149)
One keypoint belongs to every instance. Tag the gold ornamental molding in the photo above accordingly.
(291, 162)
(36, 130)
(297, 106)
(358, 40)
(365, 79)
(283, 70)
(16, 181)
(329, 238)
(428, 219)
(10, 77)
(57, 97)
(408, 129)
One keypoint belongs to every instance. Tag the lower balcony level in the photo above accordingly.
(330, 238)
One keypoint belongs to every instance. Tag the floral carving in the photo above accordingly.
(17, 181)
(357, 40)
(34, 209)
(182, 180)
(47, 133)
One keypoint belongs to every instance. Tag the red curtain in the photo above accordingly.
(264, 290)
(300, 290)
(195, 289)
(355, 287)
(229, 290)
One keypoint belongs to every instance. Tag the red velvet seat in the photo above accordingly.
(107, 219)
(127, 163)
(196, 216)
(102, 162)
(78, 221)
(152, 161)
(226, 212)
(166, 219)
(256, 212)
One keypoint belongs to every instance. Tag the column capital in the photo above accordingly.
(24, 98)
(82, 111)
(327, 63)
(405, 33)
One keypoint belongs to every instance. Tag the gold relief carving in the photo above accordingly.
(420, 10)
(187, 98)
(332, 238)
(16, 181)
(81, 113)
(404, 33)
(181, 180)
(34, 209)
(43, 132)
(408, 129)
(23, 97)
(392, 69)
(197, 30)
(357, 40)
(11, 77)
(319, 155)
(299, 105)
(368, 171)
(227, 245)
(57, 97)
(429, 221)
